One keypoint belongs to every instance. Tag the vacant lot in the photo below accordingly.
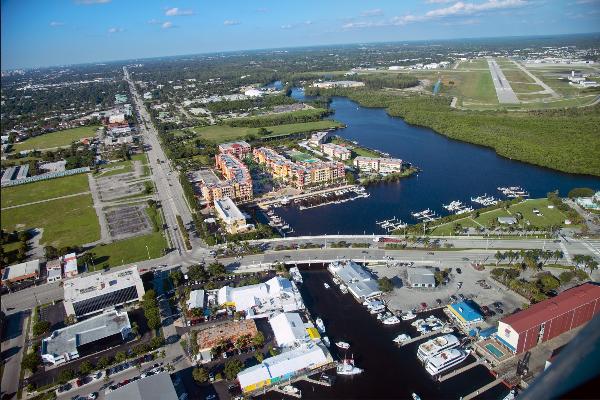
(57, 139)
(129, 250)
(42, 190)
(224, 133)
(66, 222)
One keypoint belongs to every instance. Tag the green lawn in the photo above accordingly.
(516, 75)
(478, 63)
(115, 168)
(57, 139)
(66, 222)
(525, 87)
(224, 133)
(129, 250)
(42, 190)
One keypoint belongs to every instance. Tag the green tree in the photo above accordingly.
(200, 374)
(232, 368)
(120, 356)
(41, 327)
(259, 339)
(216, 269)
(385, 284)
(176, 277)
(85, 368)
(581, 192)
(103, 362)
(259, 356)
(31, 361)
(66, 375)
(197, 273)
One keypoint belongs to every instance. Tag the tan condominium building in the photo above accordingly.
(232, 217)
(336, 151)
(238, 149)
(380, 165)
(299, 174)
(237, 184)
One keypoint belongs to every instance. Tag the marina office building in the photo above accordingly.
(67, 343)
(92, 294)
(230, 214)
(549, 318)
(358, 281)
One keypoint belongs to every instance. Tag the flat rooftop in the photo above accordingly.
(228, 210)
(86, 287)
(206, 176)
(23, 269)
(154, 387)
(66, 340)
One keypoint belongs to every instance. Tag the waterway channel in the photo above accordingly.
(451, 170)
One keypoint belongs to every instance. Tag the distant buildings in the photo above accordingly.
(21, 272)
(359, 282)
(238, 149)
(232, 217)
(277, 294)
(378, 164)
(549, 318)
(340, 84)
(318, 138)
(336, 151)
(253, 93)
(589, 203)
(92, 294)
(67, 343)
(300, 174)
(274, 370)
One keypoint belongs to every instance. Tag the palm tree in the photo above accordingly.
(558, 254)
(499, 257)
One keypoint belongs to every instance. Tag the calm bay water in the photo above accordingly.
(451, 170)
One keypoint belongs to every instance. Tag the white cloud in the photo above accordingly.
(167, 25)
(115, 30)
(231, 22)
(154, 21)
(458, 9)
(376, 12)
(55, 24)
(438, 1)
(177, 12)
(286, 26)
(89, 2)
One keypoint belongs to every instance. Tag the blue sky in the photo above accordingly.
(53, 32)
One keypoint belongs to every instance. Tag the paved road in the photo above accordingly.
(169, 190)
(473, 249)
(12, 353)
(503, 90)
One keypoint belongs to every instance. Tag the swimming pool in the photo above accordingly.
(494, 350)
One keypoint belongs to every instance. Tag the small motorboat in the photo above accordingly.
(326, 285)
(289, 389)
(326, 341)
(401, 339)
(347, 367)
(343, 345)
(408, 316)
(320, 325)
(393, 320)
(416, 396)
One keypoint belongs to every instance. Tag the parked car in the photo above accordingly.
(438, 301)
(93, 395)
(453, 298)
(423, 305)
(458, 271)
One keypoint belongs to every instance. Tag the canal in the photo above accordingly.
(390, 372)
(451, 170)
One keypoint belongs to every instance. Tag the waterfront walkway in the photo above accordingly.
(263, 203)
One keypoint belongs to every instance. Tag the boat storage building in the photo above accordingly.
(545, 320)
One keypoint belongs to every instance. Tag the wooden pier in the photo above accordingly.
(484, 388)
(297, 395)
(315, 381)
(420, 337)
(459, 371)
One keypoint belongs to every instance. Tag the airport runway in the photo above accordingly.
(503, 90)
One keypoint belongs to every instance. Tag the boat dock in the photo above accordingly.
(459, 371)
(315, 381)
(421, 337)
(484, 388)
(297, 395)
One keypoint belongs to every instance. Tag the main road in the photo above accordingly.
(168, 187)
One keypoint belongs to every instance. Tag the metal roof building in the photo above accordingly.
(63, 345)
(154, 387)
(465, 312)
(547, 319)
(359, 282)
(421, 277)
(196, 299)
(91, 294)
(288, 328)
(277, 369)
(19, 272)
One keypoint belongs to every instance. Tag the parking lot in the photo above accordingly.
(127, 221)
(115, 187)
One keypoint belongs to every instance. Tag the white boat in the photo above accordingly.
(417, 322)
(326, 285)
(377, 309)
(344, 289)
(336, 281)
(320, 325)
(347, 367)
(447, 329)
(296, 276)
(511, 395)
(401, 338)
(408, 316)
(435, 346)
(444, 361)
(326, 341)
(393, 320)
(416, 396)
(343, 345)
(289, 389)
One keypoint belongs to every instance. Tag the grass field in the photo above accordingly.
(478, 63)
(550, 216)
(56, 139)
(224, 133)
(471, 87)
(516, 75)
(525, 87)
(115, 168)
(43, 190)
(66, 222)
(129, 250)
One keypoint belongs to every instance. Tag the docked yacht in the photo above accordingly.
(326, 341)
(393, 320)
(296, 276)
(344, 288)
(401, 339)
(416, 396)
(444, 361)
(347, 367)
(326, 285)
(343, 345)
(320, 325)
(417, 322)
(408, 316)
(435, 346)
